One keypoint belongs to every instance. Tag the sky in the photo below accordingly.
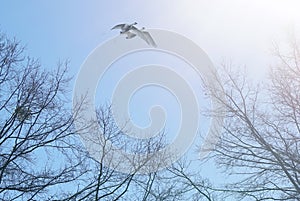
(239, 31)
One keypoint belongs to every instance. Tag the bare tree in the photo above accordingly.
(260, 143)
(104, 181)
(36, 127)
(42, 157)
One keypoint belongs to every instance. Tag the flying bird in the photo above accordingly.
(131, 31)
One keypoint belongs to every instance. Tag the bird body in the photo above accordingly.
(129, 35)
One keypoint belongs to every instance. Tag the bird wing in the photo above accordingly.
(150, 40)
(118, 26)
(145, 36)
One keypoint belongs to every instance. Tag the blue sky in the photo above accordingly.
(242, 31)
(237, 30)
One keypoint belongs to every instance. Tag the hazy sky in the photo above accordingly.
(237, 30)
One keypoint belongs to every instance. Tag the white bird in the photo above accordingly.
(131, 31)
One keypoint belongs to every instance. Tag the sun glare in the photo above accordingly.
(284, 8)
